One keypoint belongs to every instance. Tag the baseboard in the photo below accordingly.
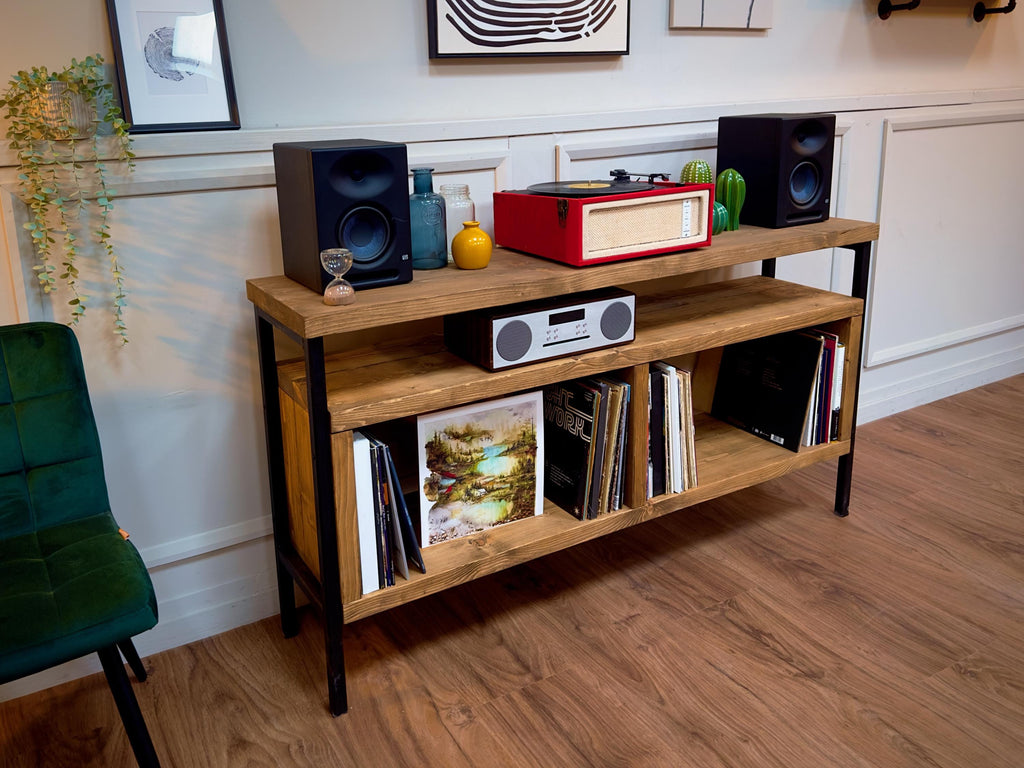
(929, 386)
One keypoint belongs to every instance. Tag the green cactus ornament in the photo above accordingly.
(696, 172)
(719, 219)
(730, 191)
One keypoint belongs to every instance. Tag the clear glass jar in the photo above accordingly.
(427, 222)
(458, 207)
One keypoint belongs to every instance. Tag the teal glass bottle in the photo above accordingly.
(427, 222)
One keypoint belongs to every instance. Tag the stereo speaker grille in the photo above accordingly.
(624, 226)
(513, 340)
(616, 320)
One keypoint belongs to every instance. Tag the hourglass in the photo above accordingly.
(337, 261)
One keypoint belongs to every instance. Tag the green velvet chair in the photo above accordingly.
(70, 583)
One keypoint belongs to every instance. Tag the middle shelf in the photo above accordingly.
(408, 377)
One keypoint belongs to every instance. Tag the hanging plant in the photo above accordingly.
(57, 125)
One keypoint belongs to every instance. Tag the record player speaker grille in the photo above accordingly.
(626, 226)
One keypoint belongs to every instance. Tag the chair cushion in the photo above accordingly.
(51, 469)
(68, 590)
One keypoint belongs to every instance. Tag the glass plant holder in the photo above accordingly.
(337, 261)
(427, 222)
(458, 208)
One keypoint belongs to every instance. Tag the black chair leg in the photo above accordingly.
(128, 707)
(127, 648)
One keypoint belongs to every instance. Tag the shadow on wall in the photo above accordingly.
(187, 258)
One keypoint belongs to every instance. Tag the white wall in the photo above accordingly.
(931, 120)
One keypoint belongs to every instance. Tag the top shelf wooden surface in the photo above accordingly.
(513, 277)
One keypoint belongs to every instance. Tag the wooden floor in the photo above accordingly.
(757, 630)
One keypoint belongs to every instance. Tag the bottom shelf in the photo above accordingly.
(729, 460)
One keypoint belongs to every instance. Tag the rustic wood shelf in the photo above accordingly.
(391, 364)
(512, 277)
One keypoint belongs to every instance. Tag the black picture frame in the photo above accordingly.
(162, 90)
(459, 29)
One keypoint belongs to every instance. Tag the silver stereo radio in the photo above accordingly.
(504, 337)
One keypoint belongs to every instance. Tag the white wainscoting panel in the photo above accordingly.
(948, 266)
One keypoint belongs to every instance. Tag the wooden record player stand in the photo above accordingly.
(312, 406)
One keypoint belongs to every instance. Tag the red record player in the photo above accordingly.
(591, 222)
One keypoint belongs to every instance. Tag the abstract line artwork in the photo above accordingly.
(527, 27)
(720, 14)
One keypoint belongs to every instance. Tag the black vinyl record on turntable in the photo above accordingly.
(620, 185)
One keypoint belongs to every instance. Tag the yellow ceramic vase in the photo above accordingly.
(471, 248)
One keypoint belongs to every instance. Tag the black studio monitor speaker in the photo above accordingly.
(786, 161)
(353, 194)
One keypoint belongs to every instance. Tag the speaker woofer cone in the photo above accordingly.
(366, 232)
(804, 183)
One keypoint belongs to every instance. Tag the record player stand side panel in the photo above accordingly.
(298, 313)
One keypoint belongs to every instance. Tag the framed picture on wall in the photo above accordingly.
(471, 28)
(173, 65)
(720, 14)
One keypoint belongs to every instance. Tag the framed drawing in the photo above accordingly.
(720, 14)
(474, 28)
(478, 466)
(173, 65)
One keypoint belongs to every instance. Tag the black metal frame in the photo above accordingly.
(325, 592)
(980, 11)
(859, 290)
(124, 697)
(232, 123)
(886, 7)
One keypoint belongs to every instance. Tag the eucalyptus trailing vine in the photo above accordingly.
(64, 174)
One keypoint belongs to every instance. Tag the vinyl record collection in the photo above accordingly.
(671, 455)
(586, 421)
(387, 538)
(784, 388)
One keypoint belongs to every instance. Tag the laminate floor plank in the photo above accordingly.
(756, 630)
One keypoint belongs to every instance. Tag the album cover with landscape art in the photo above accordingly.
(478, 466)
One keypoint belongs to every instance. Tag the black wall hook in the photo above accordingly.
(886, 7)
(980, 11)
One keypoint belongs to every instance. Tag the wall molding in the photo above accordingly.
(942, 341)
(568, 151)
(931, 385)
(206, 542)
(875, 355)
(262, 139)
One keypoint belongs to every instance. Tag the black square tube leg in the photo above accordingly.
(327, 527)
(127, 648)
(276, 468)
(844, 478)
(768, 268)
(128, 707)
